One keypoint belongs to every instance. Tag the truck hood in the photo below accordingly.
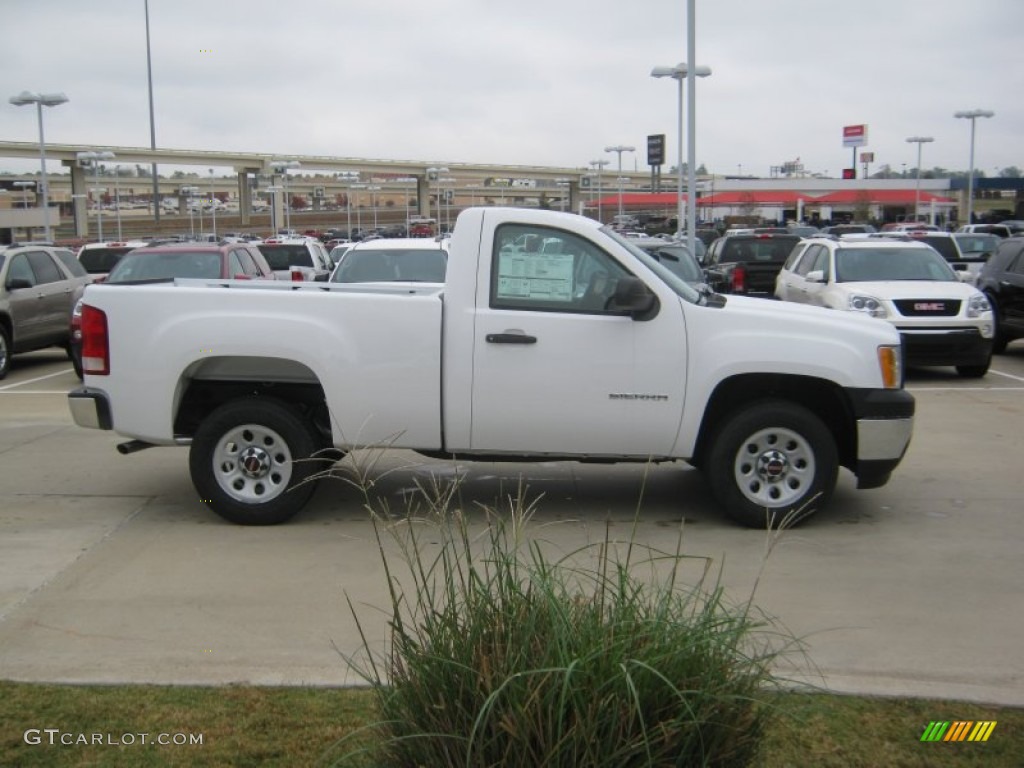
(786, 316)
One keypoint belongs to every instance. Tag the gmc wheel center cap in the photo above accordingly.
(254, 461)
(772, 465)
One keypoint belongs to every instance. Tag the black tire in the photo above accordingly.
(1000, 341)
(5, 352)
(249, 461)
(973, 371)
(76, 361)
(772, 464)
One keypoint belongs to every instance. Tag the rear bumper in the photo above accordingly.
(90, 408)
(885, 424)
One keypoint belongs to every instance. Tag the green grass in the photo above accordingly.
(243, 726)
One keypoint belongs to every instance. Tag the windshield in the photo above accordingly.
(857, 265)
(165, 265)
(977, 245)
(415, 265)
(678, 259)
(670, 278)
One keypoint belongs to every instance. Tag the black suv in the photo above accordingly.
(1002, 280)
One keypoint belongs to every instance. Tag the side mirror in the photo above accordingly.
(633, 297)
(815, 276)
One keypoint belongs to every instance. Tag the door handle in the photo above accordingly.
(510, 338)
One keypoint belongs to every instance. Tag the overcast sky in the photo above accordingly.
(523, 82)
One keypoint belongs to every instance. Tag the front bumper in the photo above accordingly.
(952, 346)
(90, 408)
(885, 424)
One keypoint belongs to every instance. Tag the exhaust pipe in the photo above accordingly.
(133, 446)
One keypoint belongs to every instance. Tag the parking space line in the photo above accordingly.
(1008, 375)
(37, 378)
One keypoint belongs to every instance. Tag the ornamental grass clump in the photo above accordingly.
(506, 652)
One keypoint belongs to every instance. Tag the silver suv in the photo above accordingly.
(39, 286)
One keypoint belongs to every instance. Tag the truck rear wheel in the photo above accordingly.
(773, 464)
(249, 461)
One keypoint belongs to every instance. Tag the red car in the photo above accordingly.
(217, 261)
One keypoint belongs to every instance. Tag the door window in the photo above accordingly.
(44, 268)
(549, 270)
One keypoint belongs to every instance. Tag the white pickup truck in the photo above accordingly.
(592, 351)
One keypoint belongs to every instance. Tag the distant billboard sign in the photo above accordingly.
(656, 149)
(867, 157)
(855, 135)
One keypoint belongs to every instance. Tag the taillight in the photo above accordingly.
(297, 276)
(739, 280)
(95, 342)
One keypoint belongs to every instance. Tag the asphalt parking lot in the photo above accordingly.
(111, 570)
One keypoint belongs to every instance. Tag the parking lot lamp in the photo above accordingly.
(373, 189)
(972, 115)
(213, 204)
(620, 148)
(24, 186)
(92, 160)
(282, 167)
(434, 173)
(273, 189)
(409, 181)
(348, 177)
(190, 191)
(678, 73)
(599, 164)
(41, 100)
(919, 140)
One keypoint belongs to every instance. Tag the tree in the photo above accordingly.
(1010, 172)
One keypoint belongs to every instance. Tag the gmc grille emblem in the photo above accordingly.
(929, 306)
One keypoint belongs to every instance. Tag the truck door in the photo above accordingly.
(554, 370)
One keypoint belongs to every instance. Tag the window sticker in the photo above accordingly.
(535, 276)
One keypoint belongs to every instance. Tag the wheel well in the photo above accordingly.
(199, 397)
(823, 398)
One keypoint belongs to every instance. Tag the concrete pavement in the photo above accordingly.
(111, 570)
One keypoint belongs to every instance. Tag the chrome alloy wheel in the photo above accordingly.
(774, 467)
(252, 463)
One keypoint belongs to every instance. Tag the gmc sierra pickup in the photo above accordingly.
(585, 348)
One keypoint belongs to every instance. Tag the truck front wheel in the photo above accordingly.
(249, 461)
(772, 464)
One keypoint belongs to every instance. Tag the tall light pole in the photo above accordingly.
(406, 180)
(348, 177)
(117, 198)
(273, 189)
(92, 159)
(41, 100)
(620, 148)
(972, 115)
(190, 192)
(679, 73)
(564, 185)
(599, 164)
(152, 122)
(213, 204)
(373, 189)
(282, 167)
(919, 140)
(434, 173)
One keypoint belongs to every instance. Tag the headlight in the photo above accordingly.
(868, 304)
(978, 305)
